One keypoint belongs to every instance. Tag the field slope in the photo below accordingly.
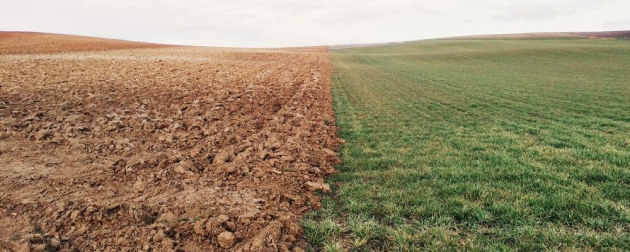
(37, 42)
(480, 145)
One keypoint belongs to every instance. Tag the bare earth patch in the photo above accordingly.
(160, 148)
(33, 42)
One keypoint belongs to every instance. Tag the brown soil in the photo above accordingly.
(160, 149)
(33, 42)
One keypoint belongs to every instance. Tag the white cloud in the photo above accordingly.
(252, 23)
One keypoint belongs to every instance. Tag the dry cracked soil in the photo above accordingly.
(110, 145)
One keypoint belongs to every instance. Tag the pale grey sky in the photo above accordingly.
(278, 23)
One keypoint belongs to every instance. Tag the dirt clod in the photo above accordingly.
(25, 247)
(314, 186)
(139, 186)
(159, 236)
(226, 239)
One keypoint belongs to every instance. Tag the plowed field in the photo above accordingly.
(112, 146)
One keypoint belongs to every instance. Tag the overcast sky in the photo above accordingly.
(278, 23)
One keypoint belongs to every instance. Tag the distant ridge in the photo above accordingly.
(345, 46)
(36, 42)
(551, 35)
(608, 34)
(535, 35)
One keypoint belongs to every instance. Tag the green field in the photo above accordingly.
(480, 145)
